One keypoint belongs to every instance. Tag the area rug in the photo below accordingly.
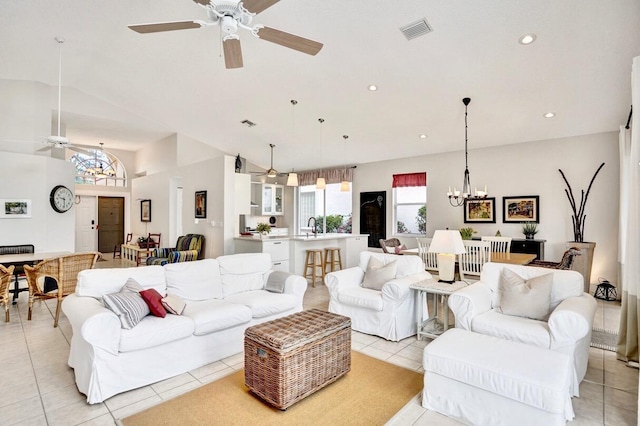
(370, 394)
(604, 339)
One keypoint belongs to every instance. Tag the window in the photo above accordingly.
(98, 168)
(331, 208)
(410, 204)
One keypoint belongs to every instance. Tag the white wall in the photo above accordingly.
(33, 177)
(512, 170)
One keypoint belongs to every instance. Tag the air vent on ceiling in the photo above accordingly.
(248, 123)
(416, 29)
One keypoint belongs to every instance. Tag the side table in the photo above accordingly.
(432, 327)
(134, 254)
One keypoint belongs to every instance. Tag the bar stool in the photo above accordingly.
(312, 262)
(332, 259)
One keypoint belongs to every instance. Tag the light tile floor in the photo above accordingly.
(39, 389)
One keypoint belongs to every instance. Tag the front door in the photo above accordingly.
(111, 221)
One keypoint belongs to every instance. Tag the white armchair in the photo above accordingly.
(567, 329)
(389, 313)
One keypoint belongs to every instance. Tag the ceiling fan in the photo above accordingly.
(58, 141)
(271, 173)
(231, 15)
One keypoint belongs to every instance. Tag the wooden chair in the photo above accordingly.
(388, 246)
(471, 263)
(499, 244)
(117, 249)
(5, 283)
(64, 271)
(565, 263)
(430, 259)
(155, 238)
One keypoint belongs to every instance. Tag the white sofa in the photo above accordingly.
(567, 330)
(223, 297)
(389, 313)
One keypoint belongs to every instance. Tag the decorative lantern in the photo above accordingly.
(606, 291)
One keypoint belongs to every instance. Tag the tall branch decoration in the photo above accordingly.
(578, 216)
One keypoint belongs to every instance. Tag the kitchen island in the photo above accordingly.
(288, 253)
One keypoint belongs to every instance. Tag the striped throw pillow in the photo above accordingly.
(127, 304)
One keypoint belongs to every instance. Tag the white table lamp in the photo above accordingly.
(447, 244)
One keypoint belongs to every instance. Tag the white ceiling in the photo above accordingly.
(126, 89)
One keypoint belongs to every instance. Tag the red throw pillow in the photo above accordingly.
(154, 301)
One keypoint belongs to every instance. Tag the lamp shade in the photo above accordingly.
(321, 184)
(447, 241)
(292, 179)
(344, 186)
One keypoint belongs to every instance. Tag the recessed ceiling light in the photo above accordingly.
(527, 39)
(549, 115)
(423, 136)
(373, 87)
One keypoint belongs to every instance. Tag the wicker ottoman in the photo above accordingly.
(290, 358)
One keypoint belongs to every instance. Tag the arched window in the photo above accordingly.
(98, 168)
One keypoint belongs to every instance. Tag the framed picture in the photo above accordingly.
(480, 211)
(521, 209)
(15, 209)
(145, 211)
(201, 204)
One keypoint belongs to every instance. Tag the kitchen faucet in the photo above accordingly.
(314, 230)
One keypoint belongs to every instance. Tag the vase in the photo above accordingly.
(583, 262)
(529, 236)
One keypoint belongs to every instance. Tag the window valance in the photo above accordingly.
(330, 176)
(410, 179)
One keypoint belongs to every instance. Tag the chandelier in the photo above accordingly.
(456, 197)
(98, 169)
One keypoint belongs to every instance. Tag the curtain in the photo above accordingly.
(629, 250)
(409, 179)
(329, 175)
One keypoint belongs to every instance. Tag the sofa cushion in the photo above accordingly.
(214, 315)
(517, 329)
(127, 304)
(378, 274)
(153, 299)
(155, 331)
(361, 298)
(197, 280)
(97, 282)
(407, 265)
(525, 298)
(263, 303)
(243, 272)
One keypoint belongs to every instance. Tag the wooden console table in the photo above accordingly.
(134, 254)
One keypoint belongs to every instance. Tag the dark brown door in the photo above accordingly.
(111, 223)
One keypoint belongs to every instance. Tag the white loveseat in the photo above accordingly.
(223, 297)
(567, 330)
(389, 313)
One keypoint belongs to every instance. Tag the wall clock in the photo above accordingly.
(61, 198)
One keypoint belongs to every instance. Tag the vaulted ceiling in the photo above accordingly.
(127, 89)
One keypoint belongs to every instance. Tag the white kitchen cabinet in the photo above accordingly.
(242, 187)
(272, 202)
(278, 249)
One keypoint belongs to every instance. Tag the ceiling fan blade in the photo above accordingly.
(232, 53)
(202, 2)
(45, 148)
(291, 41)
(164, 26)
(257, 6)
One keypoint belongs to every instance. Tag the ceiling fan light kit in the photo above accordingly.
(231, 15)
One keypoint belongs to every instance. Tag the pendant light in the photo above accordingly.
(344, 185)
(320, 182)
(292, 178)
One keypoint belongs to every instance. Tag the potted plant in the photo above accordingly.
(263, 228)
(529, 229)
(143, 242)
(467, 233)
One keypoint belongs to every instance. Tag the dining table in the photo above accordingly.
(21, 259)
(496, 256)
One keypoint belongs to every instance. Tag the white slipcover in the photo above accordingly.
(389, 313)
(108, 360)
(568, 329)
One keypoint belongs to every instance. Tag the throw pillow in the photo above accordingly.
(525, 298)
(173, 304)
(127, 304)
(153, 299)
(378, 274)
(398, 249)
(275, 282)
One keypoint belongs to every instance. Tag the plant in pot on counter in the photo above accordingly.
(467, 233)
(263, 228)
(529, 229)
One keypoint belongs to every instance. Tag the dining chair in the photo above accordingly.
(499, 244)
(430, 259)
(56, 278)
(6, 274)
(477, 254)
(117, 249)
(388, 246)
(156, 240)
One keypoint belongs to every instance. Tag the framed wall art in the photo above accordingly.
(145, 211)
(480, 211)
(201, 205)
(15, 209)
(524, 208)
